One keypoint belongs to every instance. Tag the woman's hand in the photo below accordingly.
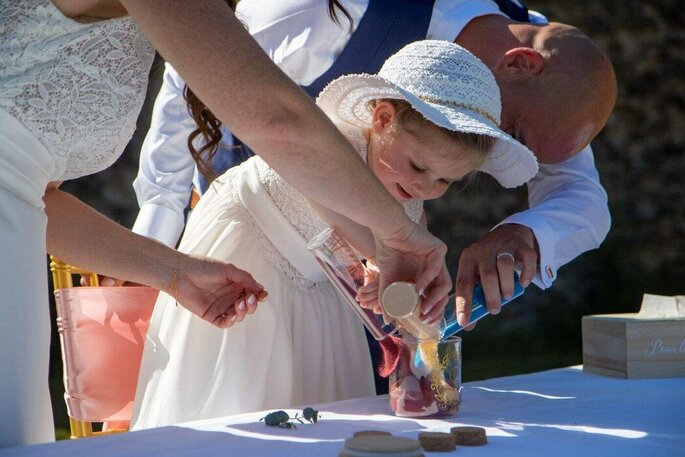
(216, 291)
(412, 253)
(368, 297)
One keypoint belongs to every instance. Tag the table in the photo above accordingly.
(561, 412)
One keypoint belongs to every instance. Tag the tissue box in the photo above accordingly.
(648, 344)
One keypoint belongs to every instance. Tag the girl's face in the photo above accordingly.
(415, 167)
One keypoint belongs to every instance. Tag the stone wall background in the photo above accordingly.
(641, 159)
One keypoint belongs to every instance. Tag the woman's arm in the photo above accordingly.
(79, 235)
(236, 80)
(228, 71)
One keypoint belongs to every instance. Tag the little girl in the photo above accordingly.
(429, 118)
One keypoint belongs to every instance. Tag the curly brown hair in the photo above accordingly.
(209, 126)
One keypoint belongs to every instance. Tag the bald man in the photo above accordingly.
(557, 91)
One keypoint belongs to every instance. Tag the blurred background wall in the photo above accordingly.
(641, 158)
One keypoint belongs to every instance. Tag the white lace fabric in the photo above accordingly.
(78, 88)
(301, 215)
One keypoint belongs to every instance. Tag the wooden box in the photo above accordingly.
(648, 344)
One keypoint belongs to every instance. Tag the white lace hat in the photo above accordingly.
(450, 87)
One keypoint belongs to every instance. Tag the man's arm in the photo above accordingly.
(568, 215)
(261, 106)
(166, 167)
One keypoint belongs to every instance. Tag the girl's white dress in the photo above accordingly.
(302, 346)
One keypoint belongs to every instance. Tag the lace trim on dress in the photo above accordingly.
(77, 87)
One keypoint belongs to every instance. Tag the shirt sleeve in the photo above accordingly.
(299, 36)
(569, 213)
(451, 16)
(166, 168)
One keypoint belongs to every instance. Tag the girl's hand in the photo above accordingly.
(367, 295)
(216, 291)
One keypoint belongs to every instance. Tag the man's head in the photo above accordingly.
(558, 88)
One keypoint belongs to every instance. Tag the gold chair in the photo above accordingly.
(102, 333)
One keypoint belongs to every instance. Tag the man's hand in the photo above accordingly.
(413, 254)
(491, 261)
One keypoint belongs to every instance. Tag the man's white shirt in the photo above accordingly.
(568, 206)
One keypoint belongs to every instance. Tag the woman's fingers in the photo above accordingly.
(237, 275)
(226, 320)
(435, 313)
(240, 306)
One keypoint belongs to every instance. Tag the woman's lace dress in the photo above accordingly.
(70, 94)
(302, 346)
(77, 87)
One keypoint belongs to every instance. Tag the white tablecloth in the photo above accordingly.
(563, 412)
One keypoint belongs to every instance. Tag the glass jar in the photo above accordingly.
(426, 381)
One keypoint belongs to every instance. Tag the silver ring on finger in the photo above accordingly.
(506, 254)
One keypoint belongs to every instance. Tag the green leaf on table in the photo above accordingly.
(283, 419)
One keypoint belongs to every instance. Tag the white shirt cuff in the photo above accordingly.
(547, 269)
(160, 223)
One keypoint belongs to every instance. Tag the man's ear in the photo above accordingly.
(521, 62)
(383, 115)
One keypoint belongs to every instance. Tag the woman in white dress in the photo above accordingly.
(73, 75)
(430, 117)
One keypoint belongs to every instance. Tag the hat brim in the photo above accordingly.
(345, 101)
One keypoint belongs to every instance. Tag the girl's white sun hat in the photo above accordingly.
(450, 87)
